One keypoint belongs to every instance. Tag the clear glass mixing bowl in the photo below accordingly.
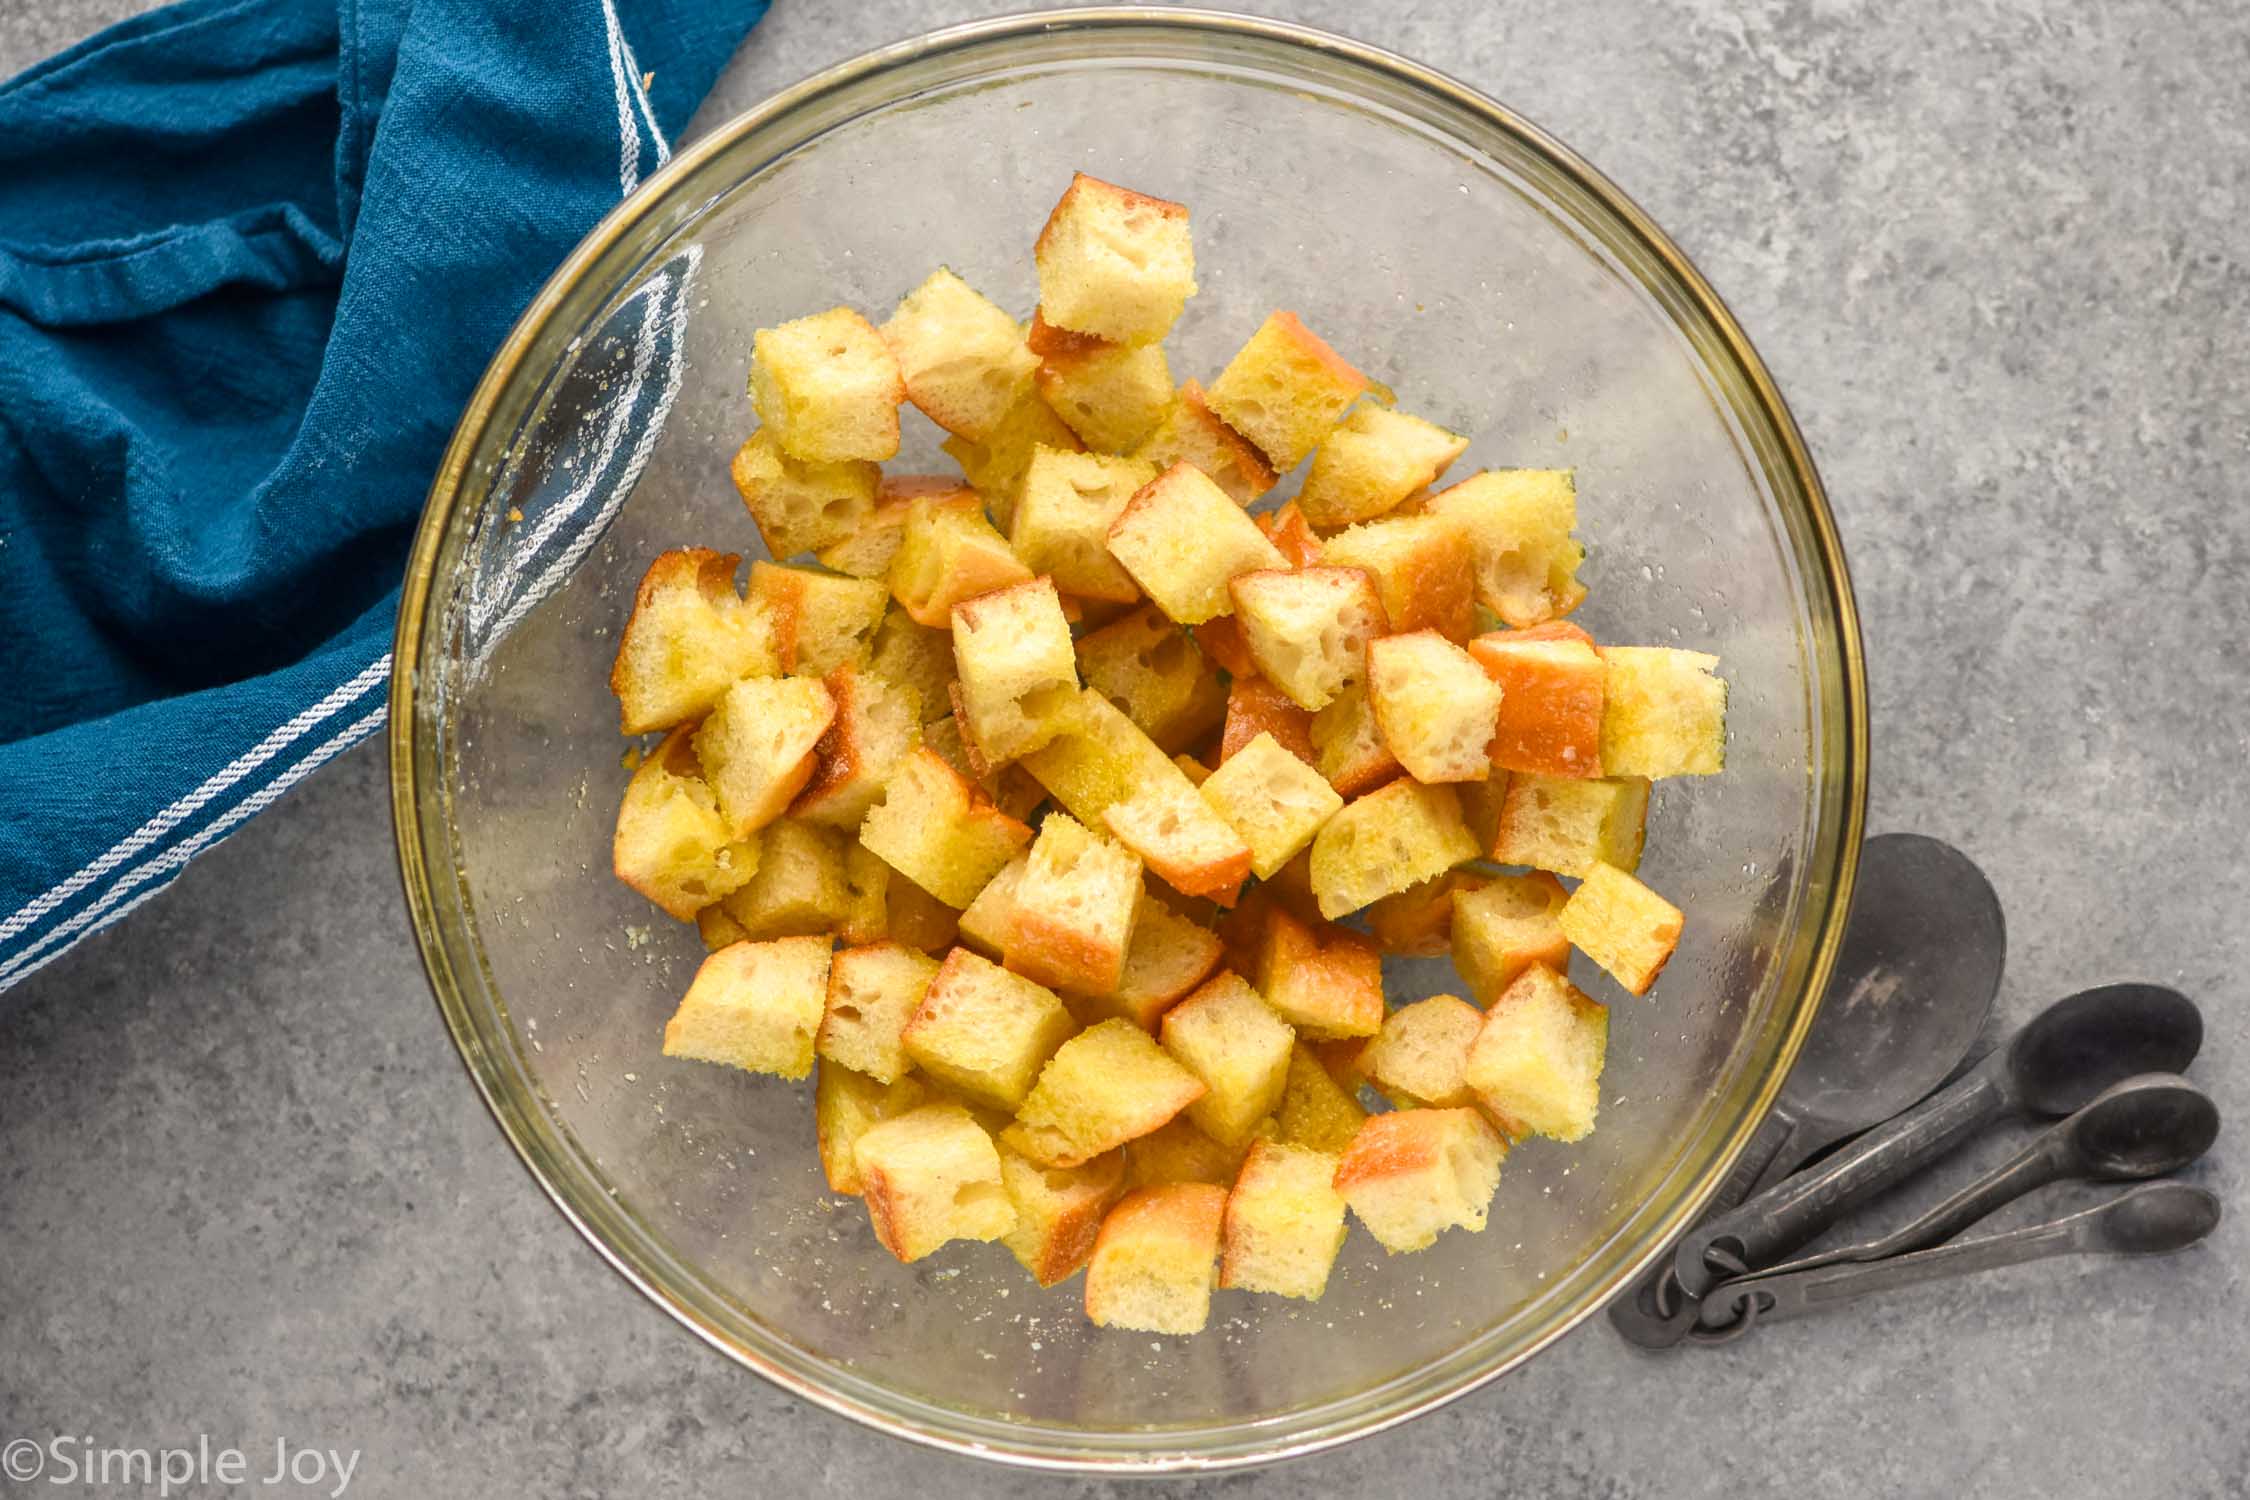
(1451, 249)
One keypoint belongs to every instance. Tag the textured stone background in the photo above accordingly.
(1993, 251)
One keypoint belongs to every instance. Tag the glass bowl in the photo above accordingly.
(1454, 251)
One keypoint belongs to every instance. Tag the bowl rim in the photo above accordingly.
(421, 583)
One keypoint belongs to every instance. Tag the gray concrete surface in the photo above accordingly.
(1993, 250)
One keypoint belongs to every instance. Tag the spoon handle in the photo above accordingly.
(1796, 1209)
(1794, 1294)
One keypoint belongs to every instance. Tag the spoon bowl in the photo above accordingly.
(2084, 1043)
(2144, 1127)
(2155, 1219)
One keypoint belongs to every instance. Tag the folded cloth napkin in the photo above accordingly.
(254, 255)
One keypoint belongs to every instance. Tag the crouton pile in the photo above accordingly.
(1063, 814)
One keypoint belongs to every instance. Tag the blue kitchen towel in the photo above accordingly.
(254, 255)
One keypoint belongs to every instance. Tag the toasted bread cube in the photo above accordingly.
(1348, 747)
(1285, 389)
(916, 658)
(1418, 921)
(938, 831)
(867, 895)
(1551, 700)
(690, 638)
(1414, 1173)
(820, 620)
(1621, 925)
(1377, 458)
(1059, 1211)
(915, 917)
(1232, 1040)
(828, 387)
(1324, 981)
(754, 1006)
(868, 550)
(1284, 1222)
(1073, 908)
(1481, 803)
(1017, 669)
(948, 552)
(930, 1176)
(872, 992)
(1111, 395)
(876, 723)
(1518, 523)
(1182, 839)
(1153, 1263)
(846, 1105)
(801, 888)
(800, 505)
(1394, 837)
(1153, 670)
(1434, 706)
(1316, 1110)
(1418, 1058)
(1308, 629)
(1181, 538)
(1099, 758)
(988, 923)
(1169, 956)
(1114, 263)
(1422, 568)
(1273, 799)
(757, 747)
(996, 465)
(984, 1031)
(1010, 788)
(1537, 1062)
(1179, 1152)
(1256, 707)
(1288, 529)
(1062, 520)
(962, 358)
(1503, 926)
(1220, 639)
(1105, 1086)
(1569, 826)
(1664, 712)
(1191, 433)
(671, 843)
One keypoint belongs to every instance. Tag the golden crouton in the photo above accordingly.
(1182, 839)
(1111, 395)
(1227, 1036)
(820, 620)
(1316, 1110)
(1504, 925)
(1154, 1262)
(846, 1105)
(1621, 925)
(948, 552)
(1664, 712)
(1179, 1152)
(1009, 788)
(1537, 1062)
(1254, 707)
(1273, 799)
(1191, 433)
(1326, 982)
(1284, 1222)
(1377, 458)
(1414, 1173)
(1182, 538)
(1418, 921)
(1551, 697)
(1285, 389)
(801, 888)
(984, 1031)
(1073, 908)
(690, 638)
(876, 723)
(754, 1006)
(671, 843)
(1568, 826)
(1308, 629)
(1422, 571)
(1347, 744)
(872, 992)
(1394, 837)
(757, 746)
(1114, 263)
(800, 506)
(867, 552)
(915, 917)
(1288, 529)
(1062, 520)
(1059, 1211)
(1518, 522)
(988, 924)
(931, 1176)
(1017, 670)
(1105, 1086)
(938, 831)
(828, 387)
(963, 359)
(1153, 670)
(996, 464)
(867, 894)
(916, 658)
(1417, 1059)
(1168, 957)
(1434, 706)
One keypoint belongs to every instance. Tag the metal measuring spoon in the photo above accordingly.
(1914, 982)
(2066, 1055)
(2152, 1219)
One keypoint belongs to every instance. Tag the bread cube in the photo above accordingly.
(1418, 921)
(949, 552)
(875, 724)
(1348, 747)
(872, 992)
(1191, 433)
(1285, 389)
(1377, 458)
(1551, 697)
(1256, 707)
(984, 1031)
(1073, 908)
(1062, 520)
(1316, 1110)
(1220, 639)
(1434, 706)
(962, 358)
(914, 916)
(1481, 802)
(1105, 1086)
(754, 1006)
(820, 620)
(1569, 826)
(1396, 836)
(1284, 1222)
(938, 831)
(1182, 839)
(828, 388)
(1114, 263)
(1273, 799)
(1179, 1152)
(917, 659)
(1154, 1262)
(1288, 529)
(1098, 758)
(801, 888)
(868, 550)
(1017, 670)
(1324, 981)
(800, 506)
(1418, 1058)
(988, 923)
(757, 746)
(1009, 788)
(671, 843)
(1154, 672)
(1537, 1062)
(1111, 395)
(1168, 957)
(931, 1176)
(1664, 712)
(1621, 925)
(1059, 1211)
(1502, 927)
(1518, 523)
(690, 638)
(995, 465)
(1308, 629)
(1414, 1173)
(1227, 1036)
(1181, 538)
(846, 1105)
(1422, 567)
